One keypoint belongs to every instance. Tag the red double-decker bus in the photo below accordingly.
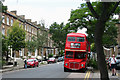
(77, 50)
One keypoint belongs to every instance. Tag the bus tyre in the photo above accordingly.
(65, 69)
(84, 70)
(34, 65)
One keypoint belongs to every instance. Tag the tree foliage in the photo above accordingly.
(42, 37)
(83, 18)
(16, 37)
(58, 34)
(4, 8)
(4, 45)
(92, 47)
(31, 45)
(102, 13)
(97, 17)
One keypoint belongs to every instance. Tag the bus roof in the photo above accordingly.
(76, 35)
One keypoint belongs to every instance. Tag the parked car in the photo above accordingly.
(32, 62)
(63, 58)
(39, 58)
(60, 59)
(51, 60)
(118, 62)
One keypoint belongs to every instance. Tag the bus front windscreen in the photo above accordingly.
(79, 55)
(69, 54)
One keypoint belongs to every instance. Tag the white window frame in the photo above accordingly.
(27, 28)
(8, 20)
(30, 29)
(11, 22)
(3, 19)
(20, 53)
(3, 30)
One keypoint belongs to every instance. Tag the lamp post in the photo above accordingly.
(37, 40)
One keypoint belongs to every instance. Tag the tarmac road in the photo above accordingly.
(53, 71)
(46, 71)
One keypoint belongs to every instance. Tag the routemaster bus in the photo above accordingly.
(77, 50)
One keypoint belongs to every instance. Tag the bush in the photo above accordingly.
(2, 62)
(93, 63)
(61, 53)
(50, 55)
(29, 57)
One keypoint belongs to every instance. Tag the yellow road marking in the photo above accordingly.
(118, 74)
(87, 75)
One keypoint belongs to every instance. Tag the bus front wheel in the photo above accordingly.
(65, 69)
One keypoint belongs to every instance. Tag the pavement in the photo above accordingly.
(89, 75)
(11, 68)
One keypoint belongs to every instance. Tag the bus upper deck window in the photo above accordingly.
(71, 38)
(80, 39)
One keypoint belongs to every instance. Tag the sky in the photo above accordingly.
(48, 10)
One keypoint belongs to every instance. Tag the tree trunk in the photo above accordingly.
(38, 52)
(99, 30)
(7, 57)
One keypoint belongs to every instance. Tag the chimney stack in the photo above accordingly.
(15, 12)
(29, 20)
(22, 16)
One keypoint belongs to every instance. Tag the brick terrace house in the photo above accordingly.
(31, 28)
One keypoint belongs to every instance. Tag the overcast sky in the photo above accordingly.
(48, 10)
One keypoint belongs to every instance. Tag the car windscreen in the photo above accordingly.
(30, 60)
(60, 58)
(118, 58)
(51, 58)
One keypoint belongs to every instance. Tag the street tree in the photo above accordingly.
(5, 49)
(58, 35)
(31, 45)
(92, 47)
(0, 50)
(83, 18)
(3, 8)
(41, 40)
(16, 37)
(95, 17)
(102, 14)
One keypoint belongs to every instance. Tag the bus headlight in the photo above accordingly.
(82, 65)
(66, 64)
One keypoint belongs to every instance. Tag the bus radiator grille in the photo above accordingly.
(74, 65)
